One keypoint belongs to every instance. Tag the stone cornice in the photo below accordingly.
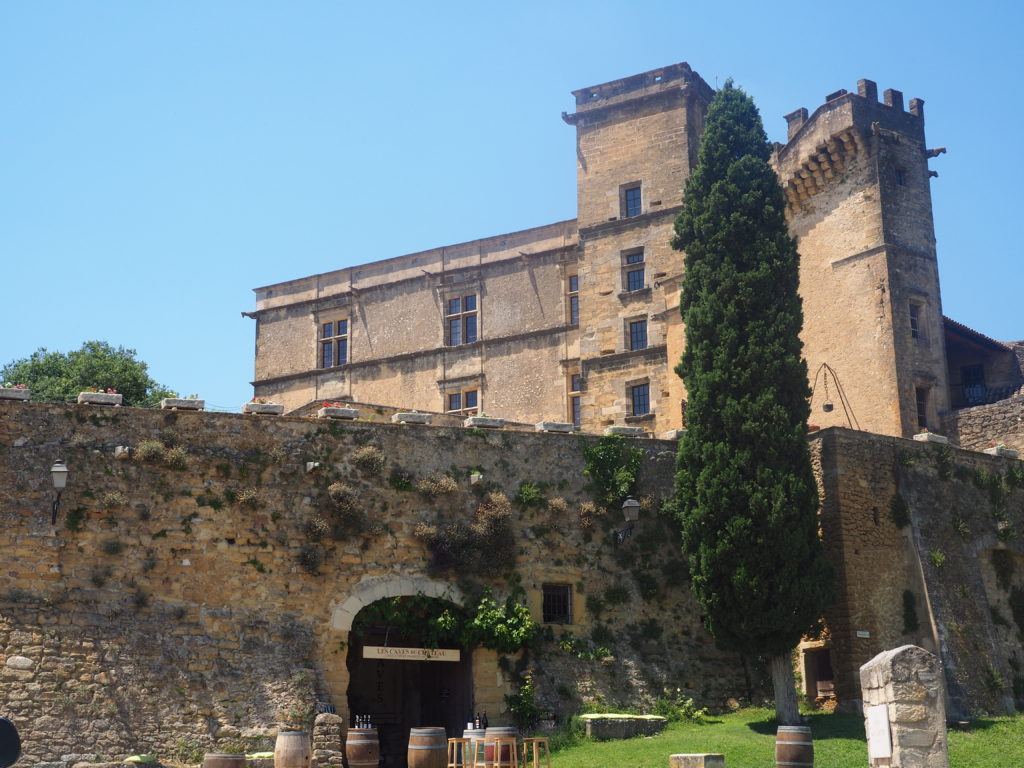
(621, 225)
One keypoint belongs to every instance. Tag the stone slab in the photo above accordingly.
(707, 760)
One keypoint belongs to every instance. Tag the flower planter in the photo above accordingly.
(182, 404)
(619, 429)
(931, 437)
(484, 422)
(267, 409)
(99, 398)
(673, 434)
(554, 426)
(337, 412)
(410, 418)
(10, 393)
(1002, 450)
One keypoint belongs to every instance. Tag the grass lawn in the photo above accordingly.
(747, 739)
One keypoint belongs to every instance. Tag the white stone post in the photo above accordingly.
(904, 710)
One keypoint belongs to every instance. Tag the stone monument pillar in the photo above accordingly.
(904, 709)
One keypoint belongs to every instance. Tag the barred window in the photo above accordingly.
(557, 608)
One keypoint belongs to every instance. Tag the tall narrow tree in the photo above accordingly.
(747, 497)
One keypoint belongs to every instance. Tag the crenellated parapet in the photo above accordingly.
(820, 147)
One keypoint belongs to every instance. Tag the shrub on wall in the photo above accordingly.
(369, 459)
(150, 451)
(484, 546)
(612, 466)
(436, 484)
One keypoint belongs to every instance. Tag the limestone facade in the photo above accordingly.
(579, 320)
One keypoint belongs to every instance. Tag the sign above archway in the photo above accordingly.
(411, 654)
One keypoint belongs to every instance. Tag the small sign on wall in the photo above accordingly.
(411, 654)
(879, 738)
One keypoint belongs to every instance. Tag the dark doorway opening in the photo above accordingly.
(398, 695)
(819, 677)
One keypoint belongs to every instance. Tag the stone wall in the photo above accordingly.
(982, 425)
(926, 539)
(182, 605)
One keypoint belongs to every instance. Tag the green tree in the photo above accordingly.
(59, 376)
(745, 490)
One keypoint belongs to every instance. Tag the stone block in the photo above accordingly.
(708, 760)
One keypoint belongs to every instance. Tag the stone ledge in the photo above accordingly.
(606, 727)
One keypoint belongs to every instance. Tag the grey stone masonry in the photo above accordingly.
(904, 710)
(328, 730)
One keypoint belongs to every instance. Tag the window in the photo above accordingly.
(901, 177)
(640, 398)
(573, 297)
(557, 604)
(915, 320)
(972, 379)
(638, 334)
(921, 395)
(633, 270)
(333, 343)
(465, 401)
(575, 409)
(461, 322)
(629, 200)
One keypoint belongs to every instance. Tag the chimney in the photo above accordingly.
(794, 121)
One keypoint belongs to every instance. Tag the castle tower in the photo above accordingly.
(636, 141)
(856, 179)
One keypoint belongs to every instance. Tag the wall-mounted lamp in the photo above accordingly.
(59, 474)
(631, 509)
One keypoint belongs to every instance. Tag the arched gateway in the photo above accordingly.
(398, 677)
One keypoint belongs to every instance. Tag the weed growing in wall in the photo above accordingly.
(73, 520)
(436, 484)
(150, 451)
(530, 495)
(112, 547)
(250, 498)
(937, 558)
(310, 558)
(369, 460)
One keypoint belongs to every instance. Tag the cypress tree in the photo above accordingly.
(746, 493)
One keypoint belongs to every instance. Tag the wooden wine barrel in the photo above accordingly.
(362, 748)
(428, 748)
(794, 747)
(502, 732)
(293, 749)
(223, 760)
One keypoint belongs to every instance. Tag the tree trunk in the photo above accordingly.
(787, 711)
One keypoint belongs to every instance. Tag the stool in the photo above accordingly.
(531, 749)
(478, 753)
(500, 745)
(458, 753)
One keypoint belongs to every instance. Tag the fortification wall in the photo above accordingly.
(926, 538)
(182, 604)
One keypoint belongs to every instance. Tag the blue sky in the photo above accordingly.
(161, 159)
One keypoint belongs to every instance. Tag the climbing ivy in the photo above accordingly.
(612, 467)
